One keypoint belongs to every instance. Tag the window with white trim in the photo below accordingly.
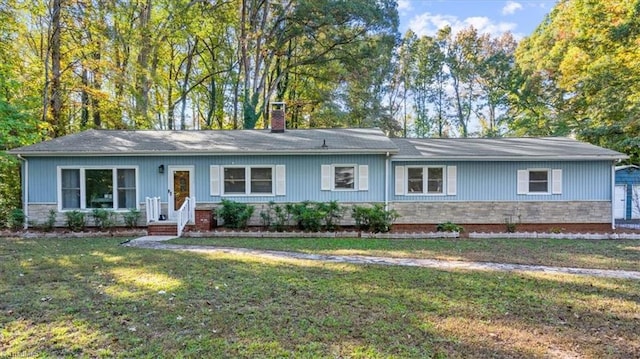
(344, 177)
(425, 180)
(88, 188)
(248, 180)
(540, 181)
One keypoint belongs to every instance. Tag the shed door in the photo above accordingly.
(620, 201)
(635, 202)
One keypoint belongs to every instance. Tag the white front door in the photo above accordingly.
(620, 202)
(635, 202)
(180, 187)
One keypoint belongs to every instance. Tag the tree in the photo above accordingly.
(496, 68)
(292, 35)
(581, 64)
(430, 80)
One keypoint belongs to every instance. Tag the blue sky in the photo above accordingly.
(519, 17)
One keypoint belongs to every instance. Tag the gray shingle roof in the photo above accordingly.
(123, 142)
(508, 148)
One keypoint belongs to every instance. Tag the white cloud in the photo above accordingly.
(511, 7)
(429, 24)
(404, 5)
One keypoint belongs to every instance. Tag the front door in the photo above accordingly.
(180, 187)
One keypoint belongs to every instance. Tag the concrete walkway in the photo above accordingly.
(156, 242)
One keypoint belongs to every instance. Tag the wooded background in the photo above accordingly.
(70, 65)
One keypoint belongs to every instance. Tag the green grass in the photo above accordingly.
(93, 298)
(602, 254)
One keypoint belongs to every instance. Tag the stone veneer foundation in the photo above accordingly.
(500, 212)
(422, 213)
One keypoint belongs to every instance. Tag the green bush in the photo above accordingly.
(331, 213)
(275, 217)
(374, 219)
(51, 221)
(449, 227)
(16, 219)
(76, 220)
(510, 225)
(103, 218)
(131, 218)
(235, 214)
(306, 216)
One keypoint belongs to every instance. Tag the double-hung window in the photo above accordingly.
(344, 177)
(248, 180)
(425, 180)
(88, 188)
(538, 181)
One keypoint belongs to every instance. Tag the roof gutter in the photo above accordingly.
(25, 190)
(207, 153)
(512, 158)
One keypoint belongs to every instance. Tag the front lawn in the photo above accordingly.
(93, 298)
(601, 254)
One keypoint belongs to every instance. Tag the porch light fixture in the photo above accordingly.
(161, 169)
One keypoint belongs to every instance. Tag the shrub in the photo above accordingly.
(51, 221)
(276, 217)
(76, 220)
(131, 218)
(374, 219)
(235, 214)
(306, 215)
(16, 219)
(331, 214)
(449, 227)
(510, 225)
(103, 218)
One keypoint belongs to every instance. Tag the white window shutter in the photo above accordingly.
(363, 178)
(214, 174)
(326, 178)
(281, 184)
(399, 180)
(452, 180)
(556, 176)
(523, 181)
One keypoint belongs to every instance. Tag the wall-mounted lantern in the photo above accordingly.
(161, 169)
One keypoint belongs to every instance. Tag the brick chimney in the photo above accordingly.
(277, 117)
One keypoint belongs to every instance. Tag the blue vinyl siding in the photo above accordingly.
(303, 176)
(629, 177)
(497, 181)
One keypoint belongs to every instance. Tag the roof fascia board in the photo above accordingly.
(513, 158)
(202, 153)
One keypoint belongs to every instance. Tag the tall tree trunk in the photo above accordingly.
(55, 97)
(185, 83)
(84, 95)
(142, 77)
(97, 85)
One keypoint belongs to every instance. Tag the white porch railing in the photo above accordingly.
(153, 208)
(186, 213)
